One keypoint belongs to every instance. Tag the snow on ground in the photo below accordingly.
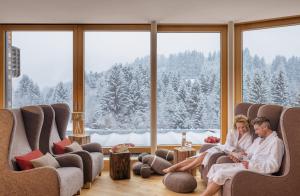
(143, 139)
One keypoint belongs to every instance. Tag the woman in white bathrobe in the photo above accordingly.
(263, 156)
(237, 140)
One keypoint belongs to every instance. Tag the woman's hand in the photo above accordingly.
(233, 158)
(245, 164)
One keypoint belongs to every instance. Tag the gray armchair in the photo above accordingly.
(20, 131)
(286, 180)
(54, 128)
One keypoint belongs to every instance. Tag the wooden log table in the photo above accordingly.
(182, 153)
(119, 165)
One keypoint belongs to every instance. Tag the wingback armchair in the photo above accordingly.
(20, 131)
(54, 128)
(286, 121)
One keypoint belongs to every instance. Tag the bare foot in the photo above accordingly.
(169, 169)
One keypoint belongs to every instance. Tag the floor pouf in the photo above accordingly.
(140, 157)
(156, 163)
(165, 154)
(180, 182)
(136, 168)
(146, 171)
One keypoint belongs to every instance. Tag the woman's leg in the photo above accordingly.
(211, 189)
(179, 165)
(194, 163)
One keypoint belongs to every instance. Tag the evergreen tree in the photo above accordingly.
(113, 100)
(61, 93)
(279, 93)
(258, 91)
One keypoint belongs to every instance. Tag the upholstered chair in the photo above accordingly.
(56, 118)
(20, 131)
(286, 121)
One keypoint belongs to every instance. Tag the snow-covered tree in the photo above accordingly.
(279, 89)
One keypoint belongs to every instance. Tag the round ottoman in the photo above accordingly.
(180, 182)
(136, 168)
(140, 157)
(146, 171)
(165, 154)
(156, 163)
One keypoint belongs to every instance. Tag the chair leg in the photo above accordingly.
(100, 173)
(87, 185)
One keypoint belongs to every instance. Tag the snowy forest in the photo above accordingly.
(188, 91)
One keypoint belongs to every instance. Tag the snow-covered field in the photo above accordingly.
(143, 139)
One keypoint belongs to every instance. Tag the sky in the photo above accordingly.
(270, 42)
(47, 56)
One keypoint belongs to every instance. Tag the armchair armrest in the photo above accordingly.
(70, 160)
(205, 147)
(92, 147)
(249, 183)
(224, 159)
(37, 181)
(87, 162)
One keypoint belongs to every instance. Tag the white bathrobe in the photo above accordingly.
(233, 143)
(265, 156)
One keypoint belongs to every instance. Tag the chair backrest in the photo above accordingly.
(54, 127)
(25, 133)
(6, 127)
(252, 114)
(290, 127)
(242, 108)
(273, 113)
(62, 117)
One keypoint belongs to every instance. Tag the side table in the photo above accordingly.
(182, 153)
(119, 165)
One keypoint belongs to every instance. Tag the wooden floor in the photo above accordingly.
(136, 186)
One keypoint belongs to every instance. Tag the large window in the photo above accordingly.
(39, 67)
(271, 65)
(188, 97)
(117, 87)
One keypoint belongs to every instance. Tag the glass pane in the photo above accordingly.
(188, 86)
(271, 66)
(39, 68)
(117, 87)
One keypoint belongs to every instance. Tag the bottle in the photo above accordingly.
(183, 139)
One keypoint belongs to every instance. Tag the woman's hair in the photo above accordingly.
(241, 119)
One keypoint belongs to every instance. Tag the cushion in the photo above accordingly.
(146, 171)
(46, 160)
(73, 147)
(59, 147)
(136, 168)
(140, 157)
(165, 154)
(156, 163)
(120, 148)
(180, 182)
(23, 161)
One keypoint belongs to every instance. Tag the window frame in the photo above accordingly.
(238, 45)
(78, 61)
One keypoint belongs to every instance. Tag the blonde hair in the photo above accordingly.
(241, 119)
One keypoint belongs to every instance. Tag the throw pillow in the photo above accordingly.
(23, 161)
(73, 147)
(46, 160)
(59, 147)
